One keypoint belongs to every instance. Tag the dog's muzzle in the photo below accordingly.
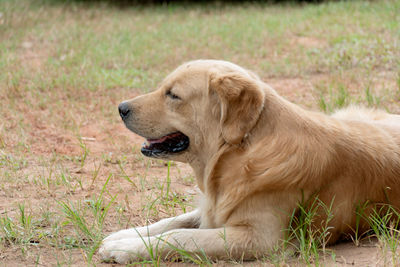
(172, 143)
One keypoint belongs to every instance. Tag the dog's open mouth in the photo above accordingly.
(168, 144)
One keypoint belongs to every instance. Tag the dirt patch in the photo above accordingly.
(103, 138)
(308, 42)
(33, 54)
(296, 90)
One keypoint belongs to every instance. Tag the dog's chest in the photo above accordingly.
(212, 214)
(209, 214)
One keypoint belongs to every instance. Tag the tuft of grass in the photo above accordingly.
(125, 176)
(88, 234)
(308, 237)
(371, 99)
(398, 87)
(333, 98)
(11, 162)
(23, 231)
(163, 200)
(17, 232)
(359, 212)
(385, 223)
(85, 151)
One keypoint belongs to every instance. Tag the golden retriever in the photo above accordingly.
(255, 156)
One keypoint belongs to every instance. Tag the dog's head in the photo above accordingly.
(198, 107)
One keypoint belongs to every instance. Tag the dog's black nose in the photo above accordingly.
(124, 110)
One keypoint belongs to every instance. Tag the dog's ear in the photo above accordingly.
(241, 100)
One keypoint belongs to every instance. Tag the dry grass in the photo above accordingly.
(69, 170)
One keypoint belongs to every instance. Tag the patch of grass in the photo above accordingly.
(371, 99)
(88, 235)
(309, 230)
(125, 176)
(85, 151)
(331, 99)
(11, 162)
(360, 212)
(164, 201)
(398, 88)
(20, 231)
(336, 95)
(385, 223)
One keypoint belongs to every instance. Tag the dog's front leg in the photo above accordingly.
(187, 220)
(221, 243)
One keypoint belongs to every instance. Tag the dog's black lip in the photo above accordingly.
(171, 143)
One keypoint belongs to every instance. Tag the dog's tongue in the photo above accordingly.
(162, 139)
(171, 143)
(155, 141)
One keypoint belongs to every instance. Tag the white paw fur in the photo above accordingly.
(123, 250)
(123, 234)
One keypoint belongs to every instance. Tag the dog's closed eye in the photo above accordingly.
(172, 95)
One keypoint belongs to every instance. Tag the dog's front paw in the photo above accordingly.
(123, 234)
(123, 250)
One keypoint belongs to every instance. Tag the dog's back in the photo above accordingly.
(378, 133)
(390, 123)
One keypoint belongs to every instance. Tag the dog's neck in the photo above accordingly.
(276, 109)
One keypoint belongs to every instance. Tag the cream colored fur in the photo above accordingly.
(255, 156)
